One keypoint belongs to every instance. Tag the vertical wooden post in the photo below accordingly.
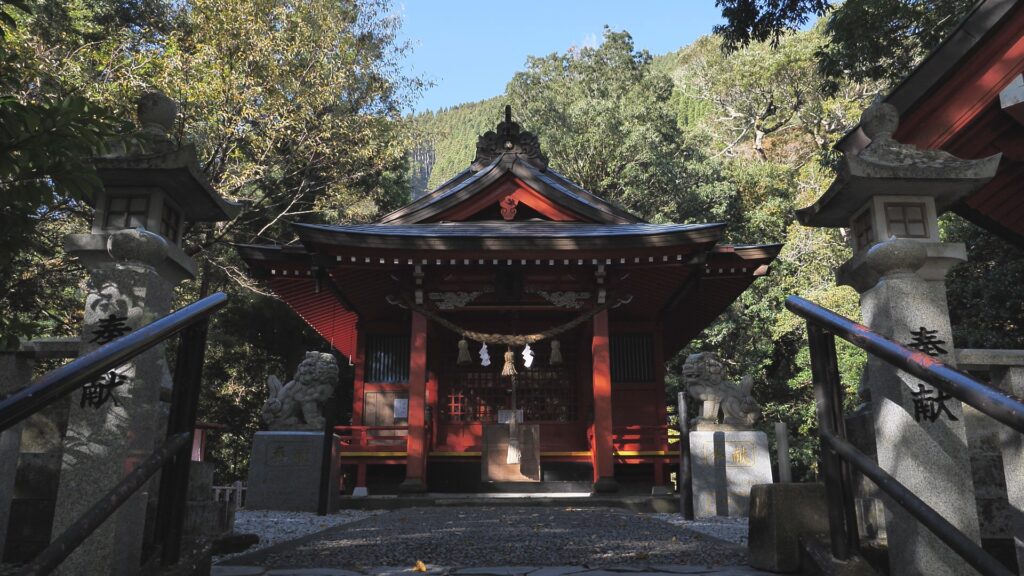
(416, 457)
(604, 469)
(432, 404)
(359, 380)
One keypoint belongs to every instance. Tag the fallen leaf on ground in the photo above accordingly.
(419, 567)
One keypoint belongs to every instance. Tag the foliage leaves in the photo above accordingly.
(294, 109)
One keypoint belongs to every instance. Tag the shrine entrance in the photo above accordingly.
(578, 302)
(476, 403)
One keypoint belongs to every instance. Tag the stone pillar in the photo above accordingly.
(15, 374)
(921, 440)
(113, 421)
(1011, 379)
(28, 486)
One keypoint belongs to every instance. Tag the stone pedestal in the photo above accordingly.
(779, 515)
(113, 421)
(494, 458)
(206, 518)
(920, 435)
(284, 471)
(726, 465)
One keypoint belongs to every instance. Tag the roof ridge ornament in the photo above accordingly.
(508, 138)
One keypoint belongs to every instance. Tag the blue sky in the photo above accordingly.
(471, 48)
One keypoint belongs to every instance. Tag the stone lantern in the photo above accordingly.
(889, 196)
(892, 190)
(134, 261)
(157, 186)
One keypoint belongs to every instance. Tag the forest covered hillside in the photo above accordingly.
(745, 137)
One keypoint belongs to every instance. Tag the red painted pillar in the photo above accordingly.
(416, 460)
(431, 424)
(604, 468)
(359, 380)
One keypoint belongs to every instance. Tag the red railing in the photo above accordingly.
(373, 438)
(640, 438)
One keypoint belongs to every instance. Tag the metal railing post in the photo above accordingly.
(188, 372)
(826, 384)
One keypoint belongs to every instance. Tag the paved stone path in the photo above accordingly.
(499, 541)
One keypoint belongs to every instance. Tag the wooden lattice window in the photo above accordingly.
(387, 358)
(862, 229)
(126, 212)
(632, 357)
(170, 222)
(545, 393)
(906, 219)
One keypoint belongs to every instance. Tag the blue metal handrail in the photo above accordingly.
(172, 456)
(838, 455)
(55, 384)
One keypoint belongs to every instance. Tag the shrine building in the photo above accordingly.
(508, 253)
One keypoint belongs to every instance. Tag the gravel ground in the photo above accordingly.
(733, 530)
(276, 527)
(512, 536)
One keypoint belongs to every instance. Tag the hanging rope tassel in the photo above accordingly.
(464, 357)
(510, 364)
(556, 353)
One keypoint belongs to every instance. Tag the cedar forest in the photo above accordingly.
(296, 109)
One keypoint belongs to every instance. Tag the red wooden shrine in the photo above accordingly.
(508, 246)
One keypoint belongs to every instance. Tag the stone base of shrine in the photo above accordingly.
(726, 465)
(284, 472)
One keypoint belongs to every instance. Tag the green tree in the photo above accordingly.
(47, 138)
(295, 110)
(750, 21)
(867, 39)
(605, 119)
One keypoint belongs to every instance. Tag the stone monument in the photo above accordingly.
(727, 456)
(286, 463)
(134, 260)
(889, 195)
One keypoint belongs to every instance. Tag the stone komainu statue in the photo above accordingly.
(296, 405)
(704, 381)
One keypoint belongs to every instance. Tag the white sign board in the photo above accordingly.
(401, 408)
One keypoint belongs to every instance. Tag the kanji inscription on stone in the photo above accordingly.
(97, 392)
(926, 341)
(929, 406)
(109, 329)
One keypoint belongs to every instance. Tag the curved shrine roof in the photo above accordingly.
(529, 235)
(509, 214)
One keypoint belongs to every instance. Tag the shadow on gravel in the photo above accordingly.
(499, 536)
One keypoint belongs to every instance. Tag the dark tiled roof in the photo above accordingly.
(495, 229)
(509, 235)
